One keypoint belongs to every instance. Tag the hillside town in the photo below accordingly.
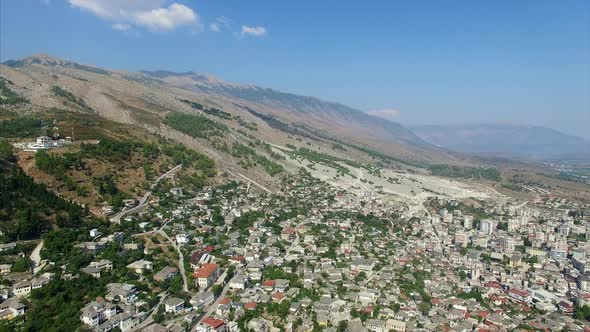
(294, 166)
(314, 257)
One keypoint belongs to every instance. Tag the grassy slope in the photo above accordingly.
(128, 172)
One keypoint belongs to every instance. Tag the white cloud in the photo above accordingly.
(115, 10)
(387, 113)
(220, 23)
(150, 14)
(167, 18)
(121, 26)
(253, 31)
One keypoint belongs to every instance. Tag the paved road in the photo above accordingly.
(154, 230)
(150, 318)
(180, 259)
(173, 243)
(36, 258)
(251, 181)
(359, 177)
(213, 306)
(143, 201)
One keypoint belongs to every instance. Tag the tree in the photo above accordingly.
(216, 289)
(582, 313)
(424, 308)
(6, 151)
(175, 285)
(22, 264)
(527, 242)
(26, 224)
(462, 275)
(148, 172)
(376, 311)
(534, 260)
(159, 316)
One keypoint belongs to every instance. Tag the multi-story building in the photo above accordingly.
(206, 275)
(174, 305)
(95, 313)
(487, 226)
(559, 250)
(467, 224)
(507, 244)
(211, 324)
(520, 295)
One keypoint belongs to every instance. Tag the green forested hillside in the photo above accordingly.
(27, 209)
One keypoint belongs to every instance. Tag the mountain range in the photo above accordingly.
(245, 129)
(143, 98)
(505, 140)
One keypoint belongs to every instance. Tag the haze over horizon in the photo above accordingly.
(438, 63)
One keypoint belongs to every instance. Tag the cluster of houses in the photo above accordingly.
(319, 256)
(117, 310)
(489, 274)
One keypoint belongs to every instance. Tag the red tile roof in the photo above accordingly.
(206, 270)
(213, 322)
(493, 284)
(368, 309)
(278, 295)
(268, 283)
(482, 313)
(519, 292)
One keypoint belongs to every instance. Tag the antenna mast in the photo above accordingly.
(43, 128)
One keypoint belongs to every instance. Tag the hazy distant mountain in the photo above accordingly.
(513, 141)
(47, 60)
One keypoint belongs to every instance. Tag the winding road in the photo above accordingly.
(150, 319)
(211, 310)
(143, 201)
(251, 181)
(180, 259)
(173, 243)
(36, 258)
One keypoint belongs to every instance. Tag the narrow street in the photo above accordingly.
(213, 306)
(146, 322)
(173, 243)
(143, 201)
(180, 258)
(36, 257)
(251, 181)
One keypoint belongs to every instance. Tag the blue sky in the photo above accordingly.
(417, 62)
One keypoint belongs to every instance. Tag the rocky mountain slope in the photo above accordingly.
(246, 129)
(311, 111)
(248, 133)
(142, 97)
